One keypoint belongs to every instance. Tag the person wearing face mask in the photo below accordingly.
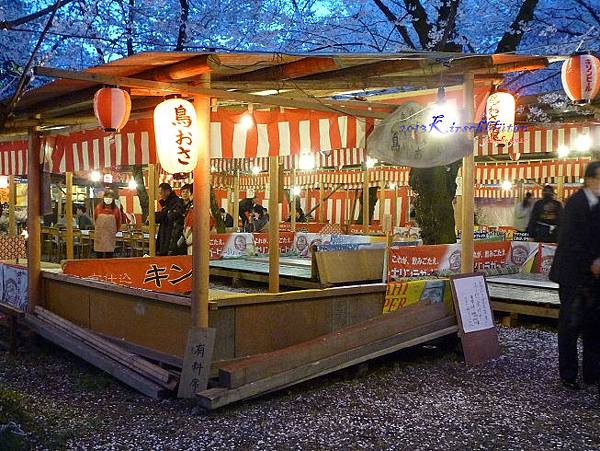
(576, 268)
(108, 222)
(545, 217)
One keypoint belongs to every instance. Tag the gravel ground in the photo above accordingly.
(418, 400)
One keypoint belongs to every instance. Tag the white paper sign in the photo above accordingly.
(474, 303)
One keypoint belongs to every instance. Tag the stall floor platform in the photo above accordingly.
(293, 272)
(524, 293)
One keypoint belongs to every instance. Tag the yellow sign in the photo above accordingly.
(402, 294)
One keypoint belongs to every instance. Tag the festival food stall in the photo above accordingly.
(252, 341)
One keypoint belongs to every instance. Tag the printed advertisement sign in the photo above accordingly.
(402, 294)
(445, 259)
(261, 242)
(546, 257)
(304, 241)
(14, 286)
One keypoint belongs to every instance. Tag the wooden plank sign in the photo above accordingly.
(475, 319)
(196, 361)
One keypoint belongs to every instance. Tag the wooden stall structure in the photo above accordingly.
(297, 327)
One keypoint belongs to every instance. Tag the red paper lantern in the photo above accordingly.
(581, 77)
(112, 107)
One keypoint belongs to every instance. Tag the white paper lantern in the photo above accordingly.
(175, 129)
(500, 114)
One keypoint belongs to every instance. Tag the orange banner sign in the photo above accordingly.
(166, 274)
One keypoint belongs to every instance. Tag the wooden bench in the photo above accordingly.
(12, 316)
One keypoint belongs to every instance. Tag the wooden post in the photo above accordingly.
(382, 202)
(307, 200)
(346, 219)
(293, 197)
(236, 199)
(365, 205)
(34, 227)
(152, 209)
(561, 187)
(69, 214)
(468, 198)
(12, 201)
(395, 222)
(321, 202)
(59, 208)
(273, 225)
(201, 219)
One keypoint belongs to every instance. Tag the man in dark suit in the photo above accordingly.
(575, 268)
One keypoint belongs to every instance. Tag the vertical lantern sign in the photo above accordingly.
(580, 76)
(175, 129)
(112, 107)
(500, 112)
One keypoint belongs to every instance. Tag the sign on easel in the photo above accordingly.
(475, 319)
(196, 361)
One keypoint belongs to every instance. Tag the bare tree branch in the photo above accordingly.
(512, 37)
(183, 19)
(10, 24)
(590, 10)
(419, 21)
(393, 19)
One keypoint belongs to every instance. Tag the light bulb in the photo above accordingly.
(246, 121)
(563, 151)
(132, 184)
(371, 162)
(3, 182)
(583, 143)
(507, 185)
(393, 185)
(95, 176)
(306, 162)
(255, 170)
(296, 190)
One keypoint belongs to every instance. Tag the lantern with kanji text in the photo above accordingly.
(112, 107)
(500, 116)
(175, 129)
(581, 77)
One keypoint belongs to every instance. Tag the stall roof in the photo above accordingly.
(299, 76)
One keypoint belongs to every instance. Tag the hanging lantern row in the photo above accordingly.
(176, 133)
(500, 116)
(112, 107)
(580, 76)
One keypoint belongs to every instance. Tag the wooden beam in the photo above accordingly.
(201, 219)
(273, 224)
(191, 67)
(34, 242)
(152, 209)
(12, 200)
(260, 366)
(336, 84)
(468, 194)
(294, 69)
(187, 88)
(69, 214)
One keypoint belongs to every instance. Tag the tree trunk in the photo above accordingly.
(138, 176)
(214, 209)
(435, 189)
(372, 201)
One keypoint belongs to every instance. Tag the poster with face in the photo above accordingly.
(14, 291)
